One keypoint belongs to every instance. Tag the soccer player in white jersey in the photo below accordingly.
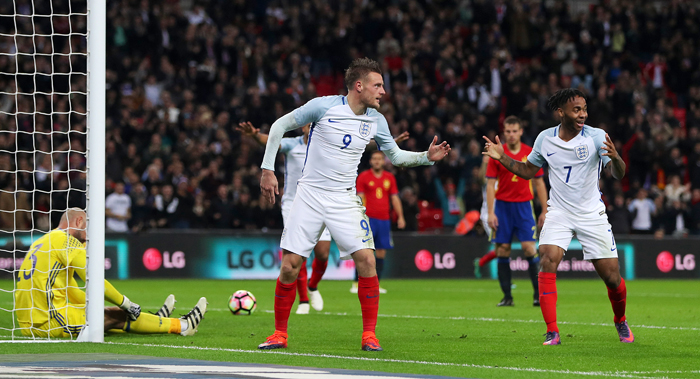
(575, 154)
(342, 126)
(294, 150)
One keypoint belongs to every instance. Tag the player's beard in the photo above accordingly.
(373, 103)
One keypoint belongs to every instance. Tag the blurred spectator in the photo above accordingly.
(141, 213)
(118, 209)
(166, 207)
(642, 209)
(619, 215)
(221, 209)
(452, 205)
(675, 191)
(242, 211)
(409, 202)
(675, 219)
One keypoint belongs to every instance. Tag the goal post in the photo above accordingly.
(96, 49)
(52, 158)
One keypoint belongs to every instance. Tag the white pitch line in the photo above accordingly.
(564, 292)
(484, 319)
(619, 374)
(488, 319)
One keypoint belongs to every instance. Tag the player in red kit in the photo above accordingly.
(510, 210)
(377, 188)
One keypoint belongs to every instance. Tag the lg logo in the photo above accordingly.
(152, 259)
(425, 260)
(666, 262)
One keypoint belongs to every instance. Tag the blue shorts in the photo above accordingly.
(381, 231)
(515, 219)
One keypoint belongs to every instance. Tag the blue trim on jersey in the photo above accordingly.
(582, 129)
(600, 165)
(514, 219)
(286, 172)
(343, 99)
(308, 143)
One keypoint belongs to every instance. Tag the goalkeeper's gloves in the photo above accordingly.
(132, 309)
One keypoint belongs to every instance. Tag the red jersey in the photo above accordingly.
(377, 192)
(511, 187)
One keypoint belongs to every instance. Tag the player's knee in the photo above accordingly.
(322, 251)
(502, 250)
(287, 269)
(364, 262)
(549, 262)
(611, 278)
(529, 251)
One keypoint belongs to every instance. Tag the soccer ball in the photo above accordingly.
(242, 302)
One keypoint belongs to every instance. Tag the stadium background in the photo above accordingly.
(182, 74)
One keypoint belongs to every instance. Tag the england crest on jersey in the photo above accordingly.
(581, 152)
(365, 128)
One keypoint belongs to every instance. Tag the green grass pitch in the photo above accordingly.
(438, 327)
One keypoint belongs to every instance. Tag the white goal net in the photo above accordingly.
(46, 143)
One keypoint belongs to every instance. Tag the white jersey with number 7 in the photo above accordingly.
(574, 168)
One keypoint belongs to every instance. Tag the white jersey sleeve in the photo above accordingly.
(274, 139)
(314, 109)
(288, 144)
(599, 141)
(535, 157)
(383, 137)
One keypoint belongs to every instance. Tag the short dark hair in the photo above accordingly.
(562, 96)
(359, 68)
(510, 120)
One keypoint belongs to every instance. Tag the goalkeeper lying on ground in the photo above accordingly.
(49, 302)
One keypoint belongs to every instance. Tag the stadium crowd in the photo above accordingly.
(179, 81)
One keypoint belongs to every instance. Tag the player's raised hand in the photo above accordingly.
(437, 152)
(493, 150)
(132, 309)
(610, 148)
(247, 128)
(268, 185)
(402, 137)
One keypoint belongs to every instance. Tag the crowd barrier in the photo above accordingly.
(256, 255)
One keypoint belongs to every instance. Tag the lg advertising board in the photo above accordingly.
(192, 254)
(216, 256)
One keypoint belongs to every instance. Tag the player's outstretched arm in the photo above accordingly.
(402, 137)
(616, 165)
(403, 158)
(247, 129)
(525, 170)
